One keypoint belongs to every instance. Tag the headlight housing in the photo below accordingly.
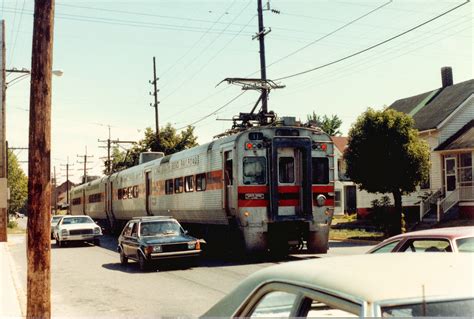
(192, 245)
(96, 231)
(64, 232)
(153, 249)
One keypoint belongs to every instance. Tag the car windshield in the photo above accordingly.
(451, 308)
(77, 220)
(161, 228)
(465, 245)
(55, 219)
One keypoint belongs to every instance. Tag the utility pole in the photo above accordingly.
(263, 69)
(3, 148)
(155, 105)
(55, 195)
(109, 142)
(39, 164)
(84, 177)
(67, 186)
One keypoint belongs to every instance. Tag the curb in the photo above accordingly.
(20, 293)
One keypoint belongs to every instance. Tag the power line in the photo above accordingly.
(213, 112)
(331, 33)
(17, 31)
(140, 14)
(187, 79)
(129, 23)
(373, 46)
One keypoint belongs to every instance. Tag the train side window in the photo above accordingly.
(189, 183)
(178, 185)
(255, 170)
(320, 170)
(169, 186)
(286, 169)
(201, 182)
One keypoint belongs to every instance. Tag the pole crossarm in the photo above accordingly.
(254, 83)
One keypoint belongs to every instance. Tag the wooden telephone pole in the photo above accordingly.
(39, 164)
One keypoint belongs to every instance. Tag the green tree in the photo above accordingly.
(385, 155)
(18, 184)
(328, 124)
(170, 142)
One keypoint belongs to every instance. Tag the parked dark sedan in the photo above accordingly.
(148, 239)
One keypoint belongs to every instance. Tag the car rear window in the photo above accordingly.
(465, 245)
(426, 245)
(451, 308)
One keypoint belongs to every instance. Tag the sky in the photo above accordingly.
(106, 50)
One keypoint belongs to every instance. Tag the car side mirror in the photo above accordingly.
(186, 232)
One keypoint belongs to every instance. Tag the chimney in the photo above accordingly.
(446, 76)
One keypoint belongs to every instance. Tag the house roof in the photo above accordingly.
(340, 142)
(464, 138)
(431, 108)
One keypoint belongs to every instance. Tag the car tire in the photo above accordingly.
(59, 243)
(123, 258)
(142, 262)
(97, 242)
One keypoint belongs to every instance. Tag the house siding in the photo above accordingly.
(436, 166)
(460, 118)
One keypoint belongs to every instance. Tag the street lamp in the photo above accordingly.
(24, 73)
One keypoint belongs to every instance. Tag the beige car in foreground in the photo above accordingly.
(375, 285)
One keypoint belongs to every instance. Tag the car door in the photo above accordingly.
(127, 238)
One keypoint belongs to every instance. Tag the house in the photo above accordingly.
(344, 189)
(444, 118)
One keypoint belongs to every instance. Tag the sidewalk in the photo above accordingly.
(9, 300)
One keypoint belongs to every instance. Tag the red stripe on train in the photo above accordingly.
(253, 203)
(252, 189)
(323, 189)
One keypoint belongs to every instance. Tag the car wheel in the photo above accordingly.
(123, 258)
(59, 243)
(144, 265)
(97, 242)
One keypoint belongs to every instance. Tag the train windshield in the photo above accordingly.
(255, 170)
(320, 170)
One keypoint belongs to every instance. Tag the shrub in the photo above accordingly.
(12, 224)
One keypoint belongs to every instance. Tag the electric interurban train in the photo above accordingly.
(267, 187)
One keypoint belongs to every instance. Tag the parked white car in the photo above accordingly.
(370, 285)
(77, 228)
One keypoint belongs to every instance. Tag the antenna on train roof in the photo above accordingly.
(262, 84)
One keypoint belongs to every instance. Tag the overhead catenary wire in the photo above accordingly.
(331, 33)
(17, 31)
(213, 112)
(373, 46)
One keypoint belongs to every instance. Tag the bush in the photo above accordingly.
(380, 213)
(12, 224)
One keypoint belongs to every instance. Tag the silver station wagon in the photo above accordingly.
(375, 285)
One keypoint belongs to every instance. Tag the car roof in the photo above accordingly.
(372, 278)
(447, 232)
(154, 218)
(67, 216)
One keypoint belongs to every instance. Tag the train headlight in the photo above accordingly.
(320, 200)
(192, 245)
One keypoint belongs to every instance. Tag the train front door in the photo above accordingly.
(289, 182)
(290, 187)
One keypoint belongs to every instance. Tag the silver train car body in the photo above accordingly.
(270, 187)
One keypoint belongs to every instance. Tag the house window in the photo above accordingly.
(337, 198)
(465, 169)
(425, 183)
